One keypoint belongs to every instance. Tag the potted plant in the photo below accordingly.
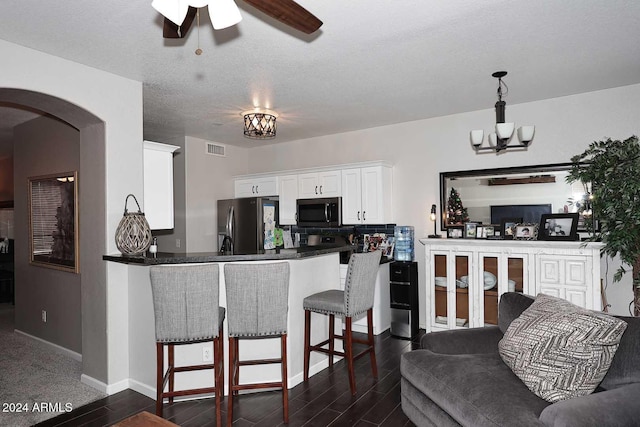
(610, 170)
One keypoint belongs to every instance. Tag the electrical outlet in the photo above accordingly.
(207, 354)
(44, 316)
(177, 243)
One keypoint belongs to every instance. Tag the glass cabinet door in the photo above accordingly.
(451, 296)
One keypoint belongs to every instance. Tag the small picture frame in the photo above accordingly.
(562, 227)
(526, 231)
(479, 232)
(470, 230)
(488, 231)
(454, 232)
(508, 227)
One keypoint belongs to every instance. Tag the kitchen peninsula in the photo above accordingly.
(312, 269)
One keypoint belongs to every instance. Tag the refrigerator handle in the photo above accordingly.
(230, 225)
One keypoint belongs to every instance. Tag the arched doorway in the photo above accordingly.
(92, 224)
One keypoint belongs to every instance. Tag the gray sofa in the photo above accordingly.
(458, 378)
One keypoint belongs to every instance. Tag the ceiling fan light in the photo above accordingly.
(476, 137)
(223, 14)
(197, 3)
(504, 130)
(174, 10)
(525, 134)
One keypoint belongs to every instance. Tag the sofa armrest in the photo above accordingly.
(616, 407)
(463, 341)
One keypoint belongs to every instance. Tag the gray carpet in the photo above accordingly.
(35, 378)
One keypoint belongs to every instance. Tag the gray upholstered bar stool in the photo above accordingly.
(356, 299)
(257, 305)
(187, 311)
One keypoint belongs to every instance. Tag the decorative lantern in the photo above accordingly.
(133, 235)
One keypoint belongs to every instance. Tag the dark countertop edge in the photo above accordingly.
(202, 257)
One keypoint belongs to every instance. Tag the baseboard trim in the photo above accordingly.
(105, 388)
(142, 388)
(58, 348)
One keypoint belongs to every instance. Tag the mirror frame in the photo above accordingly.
(495, 171)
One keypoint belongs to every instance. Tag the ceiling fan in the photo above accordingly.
(179, 14)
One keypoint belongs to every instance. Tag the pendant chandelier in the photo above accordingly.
(500, 140)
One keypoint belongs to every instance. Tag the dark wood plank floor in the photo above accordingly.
(325, 400)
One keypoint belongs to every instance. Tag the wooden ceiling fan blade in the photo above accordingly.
(288, 12)
(170, 30)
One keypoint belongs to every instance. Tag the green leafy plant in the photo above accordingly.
(612, 168)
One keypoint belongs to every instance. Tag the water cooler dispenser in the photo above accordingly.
(403, 278)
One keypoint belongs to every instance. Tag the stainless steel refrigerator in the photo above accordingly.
(245, 224)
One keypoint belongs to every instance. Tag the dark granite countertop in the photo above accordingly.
(197, 257)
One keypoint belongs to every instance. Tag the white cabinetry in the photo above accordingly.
(319, 184)
(381, 302)
(569, 270)
(288, 194)
(158, 184)
(254, 187)
(366, 195)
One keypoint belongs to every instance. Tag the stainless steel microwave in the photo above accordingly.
(323, 212)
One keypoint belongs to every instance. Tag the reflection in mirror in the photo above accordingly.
(489, 194)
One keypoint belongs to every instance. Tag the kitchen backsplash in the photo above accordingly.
(357, 230)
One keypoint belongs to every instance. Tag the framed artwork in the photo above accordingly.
(53, 221)
(562, 226)
(480, 232)
(470, 230)
(508, 227)
(526, 231)
(454, 232)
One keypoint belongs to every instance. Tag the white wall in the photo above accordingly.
(116, 161)
(420, 150)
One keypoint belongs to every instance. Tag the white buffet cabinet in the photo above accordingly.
(569, 270)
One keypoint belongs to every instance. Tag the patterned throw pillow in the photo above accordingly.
(560, 350)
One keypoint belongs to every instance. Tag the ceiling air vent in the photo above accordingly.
(216, 149)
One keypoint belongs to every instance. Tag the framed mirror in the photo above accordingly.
(489, 195)
(53, 221)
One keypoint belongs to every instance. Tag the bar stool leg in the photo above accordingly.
(232, 369)
(372, 348)
(216, 377)
(171, 371)
(307, 339)
(236, 375)
(159, 377)
(332, 337)
(349, 355)
(285, 388)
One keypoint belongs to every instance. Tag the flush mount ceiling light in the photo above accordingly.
(500, 139)
(260, 124)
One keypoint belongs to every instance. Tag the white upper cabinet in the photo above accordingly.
(319, 184)
(288, 194)
(158, 184)
(255, 187)
(366, 195)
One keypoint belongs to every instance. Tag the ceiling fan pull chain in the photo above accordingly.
(198, 50)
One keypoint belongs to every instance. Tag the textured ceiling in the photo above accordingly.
(372, 63)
